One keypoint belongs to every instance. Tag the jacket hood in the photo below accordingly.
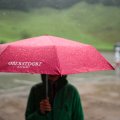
(61, 82)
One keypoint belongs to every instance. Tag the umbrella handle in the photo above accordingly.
(46, 86)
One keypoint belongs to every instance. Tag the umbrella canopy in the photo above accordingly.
(50, 55)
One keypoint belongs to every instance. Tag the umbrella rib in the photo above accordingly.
(6, 47)
(55, 51)
(59, 68)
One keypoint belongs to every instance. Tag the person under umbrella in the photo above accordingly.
(54, 56)
(63, 101)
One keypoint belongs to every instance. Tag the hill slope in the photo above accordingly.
(94, 24)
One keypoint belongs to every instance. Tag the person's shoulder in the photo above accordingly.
(72, 91)
(71, 87)
(38, 85)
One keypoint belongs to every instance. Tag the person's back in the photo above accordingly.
(117, 54)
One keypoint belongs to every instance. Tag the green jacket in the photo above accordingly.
(66, 104)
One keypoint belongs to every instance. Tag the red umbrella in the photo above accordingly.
(50, 55)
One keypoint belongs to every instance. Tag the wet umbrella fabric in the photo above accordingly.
(50, 55)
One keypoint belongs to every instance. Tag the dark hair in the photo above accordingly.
(43, 77)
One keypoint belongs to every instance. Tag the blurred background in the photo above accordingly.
(95, 22)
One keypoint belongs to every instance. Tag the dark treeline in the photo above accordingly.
(58, 4)
(27, 4)
(105, 2)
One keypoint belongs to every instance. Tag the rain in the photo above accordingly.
(94, 22)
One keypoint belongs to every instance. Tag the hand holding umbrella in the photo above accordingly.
(45, 106)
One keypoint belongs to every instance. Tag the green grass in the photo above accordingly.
(93, 24)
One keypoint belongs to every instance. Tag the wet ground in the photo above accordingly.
(100, 93)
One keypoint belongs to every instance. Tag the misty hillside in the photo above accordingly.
(95, 24)
(58, 4)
